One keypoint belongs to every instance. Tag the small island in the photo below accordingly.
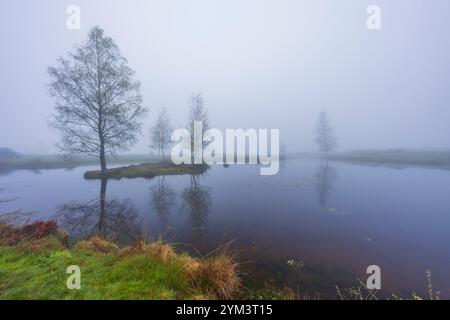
(147, 170)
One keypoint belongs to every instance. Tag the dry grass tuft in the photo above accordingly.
(217, 273)
(48, 243)
(190, 266)
(157, 249)
(97, 244)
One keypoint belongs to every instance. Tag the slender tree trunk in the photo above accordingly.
(102, 213)
(102, 158)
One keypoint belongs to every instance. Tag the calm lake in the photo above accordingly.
(311, 227)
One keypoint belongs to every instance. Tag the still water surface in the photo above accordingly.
(330, 221)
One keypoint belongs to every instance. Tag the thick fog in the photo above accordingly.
(259, 64)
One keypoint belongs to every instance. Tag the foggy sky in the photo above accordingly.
(259, 64)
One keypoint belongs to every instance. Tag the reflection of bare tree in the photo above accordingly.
(15, 216)
(325, 177)
(163, 198)
(111, 219)
(197, 200)
(4, 200)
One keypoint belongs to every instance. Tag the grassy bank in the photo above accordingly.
(397, 157)
(34, 259)
(147, 170)
(40, 162)
(35, 268)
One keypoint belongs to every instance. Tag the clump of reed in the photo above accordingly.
(217, 273)
(97, 244)
(156, 249)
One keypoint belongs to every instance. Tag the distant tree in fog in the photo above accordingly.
(325, 137)
(98, 105)
(160, 133)
(197, 112)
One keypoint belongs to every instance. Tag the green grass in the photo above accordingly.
(147, 170)
(38, 162)
(27, 273)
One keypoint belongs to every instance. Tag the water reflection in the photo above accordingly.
(4, 171)
(326, 177)
(197, 202)
(111, 219)
(272, 224)
(163, 198)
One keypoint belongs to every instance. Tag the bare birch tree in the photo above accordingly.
(160, 133)
(98, 105)
(197, 112)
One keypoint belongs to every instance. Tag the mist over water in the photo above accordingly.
(259, 64)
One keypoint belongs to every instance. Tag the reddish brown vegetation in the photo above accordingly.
(11, 235)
